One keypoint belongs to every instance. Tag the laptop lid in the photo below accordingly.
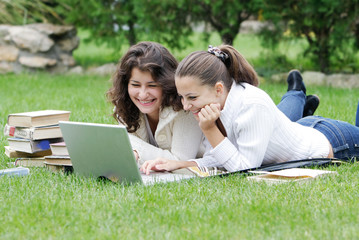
(100, 150)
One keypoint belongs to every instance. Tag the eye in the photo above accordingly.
(192, 97)
(153, 85)
(135, 85)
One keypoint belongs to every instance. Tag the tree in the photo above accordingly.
(18, 12)
(327, 25)
(224, 16)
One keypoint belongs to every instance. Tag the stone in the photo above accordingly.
(69, 44)
(37, 62)
(107, 69)
(279, 78)
(67, 60)
(29, 39)
(343, 80)
(6, 68)
(76, 70)
(8, 53)
(314, 78)
(50, 29)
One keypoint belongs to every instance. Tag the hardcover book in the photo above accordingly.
(59, 149)
(291, 174)
(34, 133)
(31, 146)
(11, 153)
(38, 118)
(30, 162)
(58, 160)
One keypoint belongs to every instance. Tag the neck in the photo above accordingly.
(153, 119)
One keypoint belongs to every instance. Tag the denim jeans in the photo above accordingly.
(292, 104)
(357, 117)
(343, 136)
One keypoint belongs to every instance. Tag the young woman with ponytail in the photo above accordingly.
(242, 125)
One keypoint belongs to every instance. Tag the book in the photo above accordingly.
(34, 133)
(59, 160)
(30, 162)
(19, 171)
(291, 174)
(59, 168)
(31, 146)
(38, 118)
(11, 153)
(59, 148)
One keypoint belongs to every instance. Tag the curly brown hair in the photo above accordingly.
(148, 57)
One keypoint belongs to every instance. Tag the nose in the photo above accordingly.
(142, 93)
(186, 104)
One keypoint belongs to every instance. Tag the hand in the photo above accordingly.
(208, 116)
(160, 165)
(136, 155)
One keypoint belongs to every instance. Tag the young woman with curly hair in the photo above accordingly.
(147, 103)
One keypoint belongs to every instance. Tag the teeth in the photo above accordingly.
(145, 101)
(196, 111)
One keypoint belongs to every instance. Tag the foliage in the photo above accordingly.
(18, 12)
(225, 17)
(170, 22)
(327, 25)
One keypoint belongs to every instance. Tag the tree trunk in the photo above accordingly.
(228, 38)
(131, 37)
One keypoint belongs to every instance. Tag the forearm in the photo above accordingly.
(214, 136)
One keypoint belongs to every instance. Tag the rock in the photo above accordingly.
(314, 78)
(279, 78)
(67, 60)
(69, 44)
(8, 53)
(37, 62)
(6, 67)
(107, 69)
(29, 39)
(76, 70)
(343, 80)
(50, 29)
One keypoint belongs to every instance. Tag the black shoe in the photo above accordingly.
(311, 104)
(295, 81)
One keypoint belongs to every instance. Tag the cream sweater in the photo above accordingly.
(178, 137)
(259, 133)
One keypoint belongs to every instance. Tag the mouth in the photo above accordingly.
(196, 111)
(146, 102)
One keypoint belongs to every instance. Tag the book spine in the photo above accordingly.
(12, 131)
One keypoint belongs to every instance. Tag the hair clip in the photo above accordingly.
(218, 53)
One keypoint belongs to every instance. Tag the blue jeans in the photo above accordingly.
(343, 136)
(292, 104)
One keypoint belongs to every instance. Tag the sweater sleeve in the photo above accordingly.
(185, 141)
(252, 131)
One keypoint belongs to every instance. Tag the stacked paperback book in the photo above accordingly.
(31, 136)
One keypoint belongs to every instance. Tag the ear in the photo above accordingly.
(219, 87)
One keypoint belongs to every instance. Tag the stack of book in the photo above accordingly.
(31, 133)
(60, 159)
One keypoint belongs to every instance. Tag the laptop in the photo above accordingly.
(104, 150)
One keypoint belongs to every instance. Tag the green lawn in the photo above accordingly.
(45, 205)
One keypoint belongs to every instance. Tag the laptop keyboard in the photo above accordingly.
(163, 177)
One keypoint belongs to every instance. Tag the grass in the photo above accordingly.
(45, 205)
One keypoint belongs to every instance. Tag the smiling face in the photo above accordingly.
(145, 93)
(195, 96)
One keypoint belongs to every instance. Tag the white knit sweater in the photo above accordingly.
(259, 133)
(178, 137)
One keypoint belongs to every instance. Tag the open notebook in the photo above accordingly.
(103, 150)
